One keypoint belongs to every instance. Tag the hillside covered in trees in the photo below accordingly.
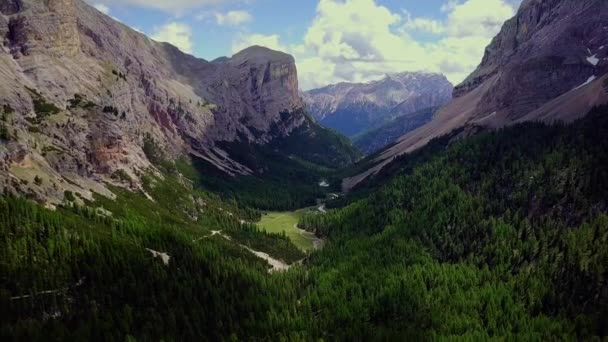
(499, 235)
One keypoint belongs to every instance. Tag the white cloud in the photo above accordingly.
(102, 8)
(175, 33)
(359, 40)
(233, 18)
(424, 25)
(449, 5)
(270, 41)
(479, 18)
(172, 6)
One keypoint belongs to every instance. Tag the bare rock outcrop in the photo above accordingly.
(82, 92)
(548, 63)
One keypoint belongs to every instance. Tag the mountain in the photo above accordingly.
(168, 228)
(352, 108)
(500, 236)
(85, 97)
(548, 63)
(378, 138)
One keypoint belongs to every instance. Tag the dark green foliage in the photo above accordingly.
(119, 75)
(285, 172)
(318, 145)
(78, 275)
(503, 234)
(90, 278)
(279, 183)
(156, 155)
(41, 107)
(4, 132)
(69, 196)
(122, 176)
(111, 110)
(80, 101)
(500, 236)
(7, 109)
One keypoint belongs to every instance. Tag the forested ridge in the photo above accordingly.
(499, 235)
(502, 234)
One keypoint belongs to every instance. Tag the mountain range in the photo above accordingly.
(548, 63)
(86, 94)
(151, 195)
(353, 108)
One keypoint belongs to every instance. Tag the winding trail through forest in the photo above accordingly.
(276, 265)
(317, 242)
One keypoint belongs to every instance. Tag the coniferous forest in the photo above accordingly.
(503, 234)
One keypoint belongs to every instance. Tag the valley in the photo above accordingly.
(287, 222)
(147, 194)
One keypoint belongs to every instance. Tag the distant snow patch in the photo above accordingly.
(593, 60)
(591, 79)
(324, 184)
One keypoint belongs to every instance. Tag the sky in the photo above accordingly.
(332, 40)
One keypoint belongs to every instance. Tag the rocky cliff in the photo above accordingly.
(82, 94)
(550, 48)
(547, 63)
(353, 108)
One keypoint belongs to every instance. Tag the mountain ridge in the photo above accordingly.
(87, 91)
(548, 52)
(352, 108)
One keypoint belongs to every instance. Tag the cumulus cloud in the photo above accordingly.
(172, 6)
(175, 33)
(102, 8)
(359, 40)
(233, 18)
(246, 40)
(424, 25)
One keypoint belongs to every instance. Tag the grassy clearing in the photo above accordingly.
(278, 222)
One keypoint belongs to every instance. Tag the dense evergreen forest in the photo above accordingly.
(499, 235)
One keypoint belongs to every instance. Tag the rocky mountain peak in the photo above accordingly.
(95, 91)
(548, 63)
(352, 108)
(272, 74)
(261, 53)
(560, 32)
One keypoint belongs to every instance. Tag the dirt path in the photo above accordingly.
(317, 243)
(276, 265)
(47, 292)
(213, 233)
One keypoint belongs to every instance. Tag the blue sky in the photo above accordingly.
(332, 40)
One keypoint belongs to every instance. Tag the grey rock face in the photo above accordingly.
(353, 108)
(112, 86)
(549, 48)
(548, 63)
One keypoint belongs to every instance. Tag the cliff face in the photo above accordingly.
(549, 48)
(353, 108)
(548, 63)
(80, 92)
